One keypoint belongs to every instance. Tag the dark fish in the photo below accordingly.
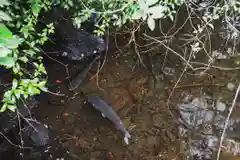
(86, 45)
(37, 134)
(77, 81)
(108, 112)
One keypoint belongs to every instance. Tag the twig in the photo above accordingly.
(57, 94)
(26, 106)
(196, 85)
(187, 63)
(65, 65)
(179, 79)
(108, 11)
(17, 146)
(226, 121)
(216, 67)
(27, 120)
(105, 56)
(131, 39)
(20, 131)
(97, 78)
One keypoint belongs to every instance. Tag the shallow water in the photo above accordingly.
(186, 125)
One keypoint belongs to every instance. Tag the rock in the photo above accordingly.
(76, 44)
(231, 86)
(221, 106)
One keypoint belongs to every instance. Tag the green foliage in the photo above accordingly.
(109, 12)
(25, 88)
(155, 9)
(23, 54)
(117, 12)
(7, 40)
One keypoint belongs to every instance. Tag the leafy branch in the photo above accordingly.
(21, 53)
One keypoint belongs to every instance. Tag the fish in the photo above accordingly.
(77, 81)
(108, 112)
(36, 134)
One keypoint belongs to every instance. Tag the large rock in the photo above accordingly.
(76, 44)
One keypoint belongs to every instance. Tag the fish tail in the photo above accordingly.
(126, 137)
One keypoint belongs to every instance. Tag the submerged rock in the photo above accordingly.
(204, 121)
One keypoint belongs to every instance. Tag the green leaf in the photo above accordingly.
(4, 31)
(143, 5)
(4, 52)
(36, 73)
(12, 100)
(14, 84)
(138, 14)
(4, 16)
(35, 64)
(25, 95)
(7, 94)
(32, 90)
(25, 82)
(7, 61)
(157, 12)
(42, 69)
(18, 93)
(3, 41)
(34, 1)
(151, 23)
(36, 8)
(4, 2)
(3, 108)
(35, 81)
(12, 107)
(16, 68)
(37, 91)
(151, 2)
(20, 73)
(13, 42)
(42, 84)
(44, 89)
(24, 59)
(30, 52)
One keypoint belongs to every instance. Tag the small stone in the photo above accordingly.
(230, 86)
(64, 54)
(221, 106)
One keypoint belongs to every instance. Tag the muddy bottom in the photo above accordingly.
(84, 134)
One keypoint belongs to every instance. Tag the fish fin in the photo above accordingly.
(103, 115)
